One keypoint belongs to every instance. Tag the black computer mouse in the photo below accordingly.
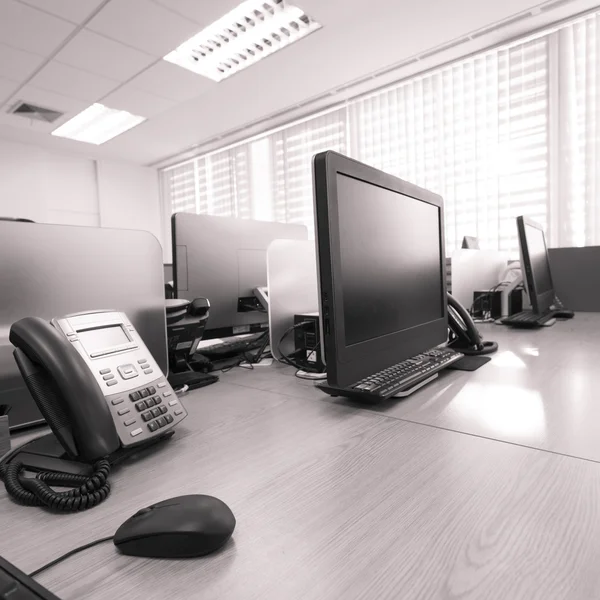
(180, 527)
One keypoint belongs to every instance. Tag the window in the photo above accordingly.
(510, 131)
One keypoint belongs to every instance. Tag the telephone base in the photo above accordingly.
(46, 454)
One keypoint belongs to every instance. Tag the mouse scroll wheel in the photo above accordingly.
(142, 512)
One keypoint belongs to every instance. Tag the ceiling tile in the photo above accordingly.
(144, 25)
(203, 12)
(29, 29)
(7, 87)
(170, 81)
(17, 64)
(95, 53)
(138, 102)
(68, 81)
(75, 11)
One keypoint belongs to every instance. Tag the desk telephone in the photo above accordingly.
(100, 391)
(464, 336)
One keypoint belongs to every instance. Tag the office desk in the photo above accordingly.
(335, 501)
(541, 389)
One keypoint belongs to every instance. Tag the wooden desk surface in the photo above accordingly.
(335, 501)
(542, 390)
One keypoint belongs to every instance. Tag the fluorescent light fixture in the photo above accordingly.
(247, 34)
(98, 124)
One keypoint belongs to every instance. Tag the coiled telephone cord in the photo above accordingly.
(87, 492)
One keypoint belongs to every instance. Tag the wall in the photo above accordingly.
(50, 187)
(47, 187)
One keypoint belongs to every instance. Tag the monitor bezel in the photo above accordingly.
(348, 364)
(539, 302)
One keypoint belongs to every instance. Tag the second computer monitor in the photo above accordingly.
(536, 265)
(381, 268)
(224, 259)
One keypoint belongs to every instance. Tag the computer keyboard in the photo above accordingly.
(529, 319)
(233, 346)
(403, 376)
(16, 585)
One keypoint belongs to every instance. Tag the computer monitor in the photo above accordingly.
(536, 265)
(224, 259)
(470, 243)
(381, 263)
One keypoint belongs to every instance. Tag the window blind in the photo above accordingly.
(510, 131)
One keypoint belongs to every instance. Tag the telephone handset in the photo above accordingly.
(100, 391)
(464, 335)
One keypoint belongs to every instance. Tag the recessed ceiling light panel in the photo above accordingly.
(98, 124)
(247, 34)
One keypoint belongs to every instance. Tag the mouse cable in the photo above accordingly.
(69, 554)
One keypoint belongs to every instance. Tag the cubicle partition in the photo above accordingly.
(53, 270)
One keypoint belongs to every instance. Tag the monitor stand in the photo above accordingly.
(333, 391)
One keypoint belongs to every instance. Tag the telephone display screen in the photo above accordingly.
(101, 338)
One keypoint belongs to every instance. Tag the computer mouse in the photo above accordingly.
(181, 527)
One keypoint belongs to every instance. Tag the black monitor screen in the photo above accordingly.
(390, 260)
(538, 256)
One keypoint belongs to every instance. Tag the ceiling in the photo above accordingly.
(66, 54)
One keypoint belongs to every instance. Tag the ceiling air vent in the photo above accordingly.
(38, 113)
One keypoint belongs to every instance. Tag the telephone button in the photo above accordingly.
(147, 371)
(129, 423)
(136, 432)
(157, 399)
(153, 426)
(112, 382)
(108, 377)
(144, 393)
(150, 402)
(173, 403)
(127, 371)
(178, 412)
(156, 412)
(166, 394)
(161, 421)
(169, 418)
(147, 416)
(161, 385)
(117, 401)
(142, 361)
(151, 390)
(141, 406)
(134, 396)
(163, 410)
(104, 371)
(124, 411)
